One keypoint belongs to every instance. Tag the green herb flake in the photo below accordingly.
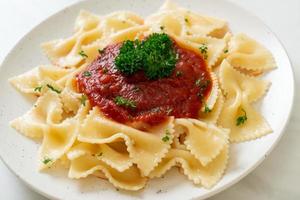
(121, 101)
(99, 154)
(206, 109)
(166, 138)
(47, 160)
(83, 99)
(82, 54)
(186, 20)
(104, 70)
(169, 111)
(178, 73)
(53, 89)
(203, 49)
(198, 82)
(100, 51)
(136, 89)
(162, 28)
(226, 51)
(38, 89)
(242, 119)
(87, 74)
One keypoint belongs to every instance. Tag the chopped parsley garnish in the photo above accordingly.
(169, 111)
(207, 109)
(162, 28)
(53, 89)
(121, 101)
(198, 82)
(166, 138)
(38, 89)
(136, 89)
(87, 73)
(226, 51)
(100, 154)
(47, 160)
(178, 73)
(104, 70)
(100, 51)
(155, 56)
(203, 49)
(83, 99)
(186, 20)
(242, 119)
(82, 54)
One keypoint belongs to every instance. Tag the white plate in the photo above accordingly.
(20, 153)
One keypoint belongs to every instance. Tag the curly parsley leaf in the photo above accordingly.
(130, 58)
(155, 56)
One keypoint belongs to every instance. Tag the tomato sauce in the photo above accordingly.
(179, 95)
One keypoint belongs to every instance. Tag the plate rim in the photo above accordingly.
(209, 194)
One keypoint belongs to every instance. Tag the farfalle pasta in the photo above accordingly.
(126, 98)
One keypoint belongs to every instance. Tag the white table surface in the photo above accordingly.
(276, 178)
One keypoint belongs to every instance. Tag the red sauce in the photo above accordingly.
(178, 95)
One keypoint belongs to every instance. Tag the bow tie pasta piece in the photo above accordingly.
(207, 175)
(238, 114)
(211, 115)
(47, 110)
(69, 52)
(209, 48)
(233, 82)
(249, 56)
(119, 21)
(113, 154)
(59, 138)
(36, 80)
(129, 179)
(204, 141)
(146, 149)
(133, 33)
(86, 21)
(83, 45)
(192, 23)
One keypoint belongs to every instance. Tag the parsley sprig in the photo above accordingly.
(155, 56)
(242, 119)
(121, 101)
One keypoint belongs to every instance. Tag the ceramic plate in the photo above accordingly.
(20, 153)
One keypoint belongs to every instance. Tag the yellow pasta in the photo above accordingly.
(241, 91)
(245, 53)
(85, 140)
